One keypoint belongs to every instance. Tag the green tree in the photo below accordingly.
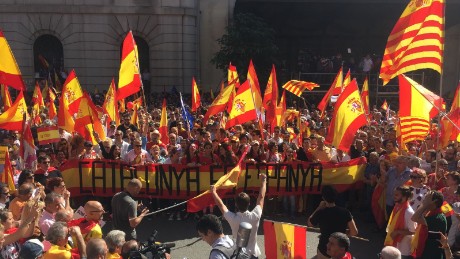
(247, 37)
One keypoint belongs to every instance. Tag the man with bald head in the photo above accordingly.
(124, 209)
(89, 225)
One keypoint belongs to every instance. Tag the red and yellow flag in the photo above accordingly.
(72, 92)
(129, 81)
(52, 112)
(7, 174)
(280, 110)
(365, 95)
(48, 135)
(110, 105)
(219, 104)
(335, 89)
(135, 117)
(65, 119)
(297, 87)
(416, 110)
(87, 120)
(6, 97)
(347, 79)
(384, 105)
(38, 104)
(243, 108)
(121, 104)
(416, 41)
(164, 124)
(27, 148)
(348, 117)
(255, 86)
(270, 101)
(13, 118)
(9, 69)
(196, 100)
(450, 132)
(232, 76)
(284, 240)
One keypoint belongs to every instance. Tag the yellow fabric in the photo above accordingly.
(7, 62)
(57, 252)
(92, 122)
(16, 112)
(347, 79)
(72, 90)
(129, 67)
(113, 256)
(94, 233)
(232, 77)
(243, 103)
(285, 237)
(110, 104)
(6, 97)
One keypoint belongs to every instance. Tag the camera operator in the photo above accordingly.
(125, 209)
(209, 228)
(132, 250)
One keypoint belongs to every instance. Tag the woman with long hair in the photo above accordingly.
(226, 155)
(207, 157)
(256, 154)
(191, 156)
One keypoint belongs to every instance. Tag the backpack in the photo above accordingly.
(230, 252)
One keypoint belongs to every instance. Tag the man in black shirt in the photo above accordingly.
(330, 219)
(126, 125)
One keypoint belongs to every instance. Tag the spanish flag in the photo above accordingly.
(396, 222)
(416, 110)
(284, 240)
(196, 100)
(6, 97)
(384, 105)
(9, 70)
(65, 119)
(164, 124)
(335, 89)
(255, 86)
(87, 120)
(221, 101)
(297, 87)
(347, 79)
(129, 81)
(416, 41)
(12, 119)
(365, 95)
(52, 112)
(7, 175)
(72, 92)
(348, 117)
(243, 108)
(135, 117)
(448, 131)
(110, 105)
(379, 205)
(270, 100)
(280, 110)
(121, 104)
(232, 76)
(27, 148)
(38, 104)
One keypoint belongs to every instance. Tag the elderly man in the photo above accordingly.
(115, 240)
(96, 249)
(137, 156)
(57, 236)
(124, 209)
(89, 225)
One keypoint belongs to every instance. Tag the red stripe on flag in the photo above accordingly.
(270, 240)
(415, 61)
(436, 8)
(415, 33)
(14, 81)
(300, 243)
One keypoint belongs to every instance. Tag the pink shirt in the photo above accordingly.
(46, 221)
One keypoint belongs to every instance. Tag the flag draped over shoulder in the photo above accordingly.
(284, 240)
(221, 101)
(110, 105)
(6, 97)
(255, 86)
(417, 109)
(72, 92)
(243, 108)
(196, 99)
(297, 87)
(365, 95)
(416, 41)
(9, 69)
(448, 131)
(129, 81)
(164, 124)
(348, 117)
(12, 119)
(87, 120)
(335, 89)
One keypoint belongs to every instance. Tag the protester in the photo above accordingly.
(418, 187)
(396, 176)
(57, 236)
(390, 252)
(96, 249)
(338, 246)
(115, 240)
(210, 230)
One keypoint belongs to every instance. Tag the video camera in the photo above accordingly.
(151, 249)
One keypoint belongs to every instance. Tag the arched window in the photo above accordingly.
(48, 56)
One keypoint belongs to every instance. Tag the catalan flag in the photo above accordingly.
(284, 240)
(270, 100)
(297, 87)
(348, 117)
(164, 124)
(196, 100)
(335, 89)
(6, 97)
(219, 104)
(243, 108)
(450, 132)
(72, 92)
(255, 87)
(9, 70)
(110, 105)
(416, 41)
(416, 110)
(365, 95)
(129, 81)
(12, 119)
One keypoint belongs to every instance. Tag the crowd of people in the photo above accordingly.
(418, 179)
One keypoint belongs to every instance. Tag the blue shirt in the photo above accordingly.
(394, 181)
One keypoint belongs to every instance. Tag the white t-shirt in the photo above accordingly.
(251, 217)
(405, 245)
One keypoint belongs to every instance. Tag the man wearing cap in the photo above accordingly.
(137, 156)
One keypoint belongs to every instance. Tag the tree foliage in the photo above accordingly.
(247, 37)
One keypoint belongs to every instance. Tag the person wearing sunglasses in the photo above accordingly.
(45, 171)
(418, 187)
(89, 225)
(138, 156)
(4, 196)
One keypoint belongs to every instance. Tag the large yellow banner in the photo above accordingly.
(107, 177)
